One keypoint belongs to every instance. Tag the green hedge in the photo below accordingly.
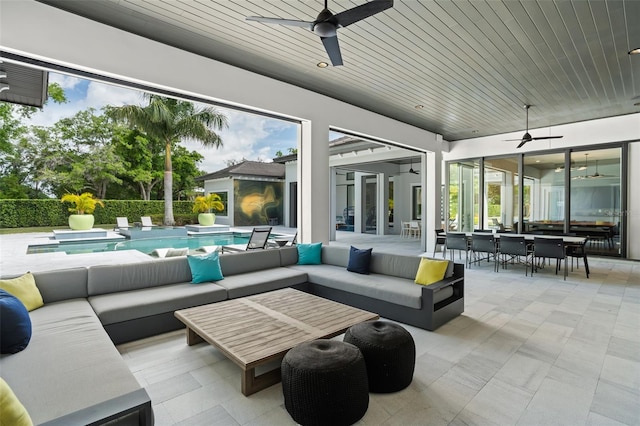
(33, 213)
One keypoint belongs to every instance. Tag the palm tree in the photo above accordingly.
(170, 121)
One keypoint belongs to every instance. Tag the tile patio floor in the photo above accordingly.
(526, 351)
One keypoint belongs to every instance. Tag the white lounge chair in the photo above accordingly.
(122, 223)
(257, 241)
(146, 222)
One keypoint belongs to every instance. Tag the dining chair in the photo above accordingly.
(458, 241)
(414, 229)
(549, 248)
(441, 240)
(484, 243)
(404, 229)
(515, 248)
(578, 251)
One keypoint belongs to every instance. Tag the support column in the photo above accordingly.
(431, 176)
(333, 202)
(313, 182)
(360, 182)
(382, 203)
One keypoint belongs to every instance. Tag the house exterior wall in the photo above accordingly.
(222, 185)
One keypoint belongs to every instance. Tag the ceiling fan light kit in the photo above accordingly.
(527, 136)
(326, 25)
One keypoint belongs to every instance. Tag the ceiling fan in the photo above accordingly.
(326, 24)
(527, 136)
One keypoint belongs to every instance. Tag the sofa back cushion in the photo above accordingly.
(288, 256)
(335, 255)
(62, 284)
(249, 261)
(397, 265)
(104, 279)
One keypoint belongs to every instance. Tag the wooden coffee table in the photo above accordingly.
(255, 330)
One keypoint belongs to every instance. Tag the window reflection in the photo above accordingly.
(595, 199)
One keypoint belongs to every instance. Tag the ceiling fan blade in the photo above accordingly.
(289, 22)
(414, 172)
(333, 49)
(512, 140)
(361, 12)
(522, 142)
(546, 137)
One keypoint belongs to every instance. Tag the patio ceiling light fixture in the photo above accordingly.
(635, 51)
(3, 87)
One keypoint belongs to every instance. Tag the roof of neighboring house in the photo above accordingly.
(248, 168)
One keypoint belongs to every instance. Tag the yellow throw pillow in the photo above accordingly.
(24, 288)
(11, 409)
(431, 271)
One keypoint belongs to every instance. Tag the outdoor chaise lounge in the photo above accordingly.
(257, 241)
(146, 222)
(122, 223)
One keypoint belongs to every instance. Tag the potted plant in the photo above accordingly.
(83, 206)
(204, 204)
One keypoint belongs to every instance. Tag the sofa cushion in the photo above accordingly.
(24, 288)
(12, 411)
(335, 255)
(261, 281)
(70, 360)
(391, 289)
(62, 284)
(128, 305)
(104, 279)
(15, 324)
(249, 261)
(288, 256)
(431, 271)
(205, 268)
(359, 260)
(397, 265)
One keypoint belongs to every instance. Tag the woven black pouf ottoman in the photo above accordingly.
(389, 352)
(325, 383)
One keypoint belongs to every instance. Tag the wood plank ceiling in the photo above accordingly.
(470, 65)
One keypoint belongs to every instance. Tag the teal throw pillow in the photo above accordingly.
(359, 260)
(205, 268)
(15, 324)
(309, 254)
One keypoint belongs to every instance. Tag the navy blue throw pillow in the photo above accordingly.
(359, 260)
(15, 324)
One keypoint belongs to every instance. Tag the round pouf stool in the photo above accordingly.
(389, 352)
(325, 383)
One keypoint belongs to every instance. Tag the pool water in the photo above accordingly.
(146, 245)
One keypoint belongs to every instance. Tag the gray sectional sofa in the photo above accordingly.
(71, 372)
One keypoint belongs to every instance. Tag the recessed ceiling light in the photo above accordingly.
(322, 65)
(419, 106)
(475, 131)
(537, 161)
(635, 51)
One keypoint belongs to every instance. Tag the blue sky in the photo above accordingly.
(249, 136)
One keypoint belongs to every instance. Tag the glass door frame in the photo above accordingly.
(624, 160)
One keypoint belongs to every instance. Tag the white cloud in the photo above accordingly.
(65, 81)
(248, 135)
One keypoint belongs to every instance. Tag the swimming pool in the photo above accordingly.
(146, 245)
